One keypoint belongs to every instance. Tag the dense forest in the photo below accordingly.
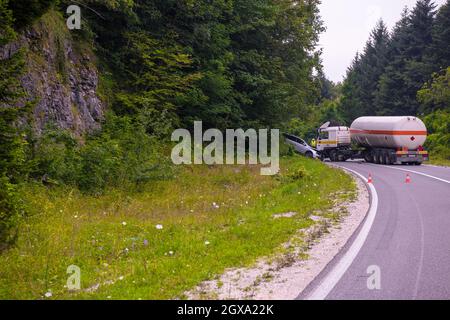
(230, 63)
(163, 64)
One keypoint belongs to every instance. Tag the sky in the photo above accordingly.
(349, 23)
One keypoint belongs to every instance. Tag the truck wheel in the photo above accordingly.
(333, 156)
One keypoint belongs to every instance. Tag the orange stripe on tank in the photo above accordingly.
(390, 133)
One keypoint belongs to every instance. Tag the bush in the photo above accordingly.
(57, 156)
(286, 150)
(306, 125)
(121, 155)
(298, 174)
(11, 210)
(438, 142)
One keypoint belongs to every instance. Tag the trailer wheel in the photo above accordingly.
(389, 160)
(376, 157)
(385, 157)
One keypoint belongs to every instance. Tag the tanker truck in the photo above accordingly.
(380, 140)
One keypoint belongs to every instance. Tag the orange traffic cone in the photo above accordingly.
(370, 180)
(408, 178)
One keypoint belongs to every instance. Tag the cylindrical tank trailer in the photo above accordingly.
(389, 132)
(381, 140)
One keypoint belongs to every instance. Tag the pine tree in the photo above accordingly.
(441, 38)
(351, 105)
(389, 97)
(410, 61)
(373, 65)
(361, 86)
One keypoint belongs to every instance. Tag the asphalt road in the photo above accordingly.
(406, 243)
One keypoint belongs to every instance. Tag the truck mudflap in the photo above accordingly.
(412, 157)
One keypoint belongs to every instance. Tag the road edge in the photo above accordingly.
(342, 262)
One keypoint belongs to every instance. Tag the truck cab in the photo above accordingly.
(334, 142)
(333, 137)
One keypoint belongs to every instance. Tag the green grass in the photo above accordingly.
(440, 162)
(113, 238)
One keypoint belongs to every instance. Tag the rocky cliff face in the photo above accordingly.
(61, 76)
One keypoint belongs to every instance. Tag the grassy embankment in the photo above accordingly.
(439, 161)
(115, 241)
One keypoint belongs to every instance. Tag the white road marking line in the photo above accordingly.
(433, 166)
(335, 275)
(422, 248)
(416, 172)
